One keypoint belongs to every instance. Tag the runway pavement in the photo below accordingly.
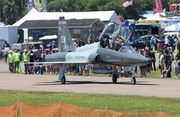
(83, 84)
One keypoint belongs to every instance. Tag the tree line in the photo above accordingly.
(13, 10)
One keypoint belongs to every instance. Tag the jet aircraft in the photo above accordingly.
(69, 55)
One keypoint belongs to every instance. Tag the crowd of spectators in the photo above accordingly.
(163, 46)
(166, 46)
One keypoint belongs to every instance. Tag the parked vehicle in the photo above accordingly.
(22, 46)
(140, 43)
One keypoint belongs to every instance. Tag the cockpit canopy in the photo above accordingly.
(127, 49)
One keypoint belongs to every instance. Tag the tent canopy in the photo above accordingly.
(156, 17)
(102, 15)
(32, 15)
(175, 27)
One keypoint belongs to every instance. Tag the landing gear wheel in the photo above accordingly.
(114, 78)
(133, 80)
(63, 80)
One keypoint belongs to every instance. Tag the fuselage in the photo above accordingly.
(94, 54)
(123, 59)
(111, 57)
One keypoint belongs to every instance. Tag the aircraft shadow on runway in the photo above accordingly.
(93, 82)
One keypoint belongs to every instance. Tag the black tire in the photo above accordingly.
(133, 80)
(63, 80)
(114, 78)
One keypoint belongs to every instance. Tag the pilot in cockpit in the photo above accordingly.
(104, 42)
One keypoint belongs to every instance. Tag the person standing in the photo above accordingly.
(152, 41)
(176, 66)
(54, 44)
(161, 63)
(166, 41)
(32, 59)
(16, 57)
(6, 44)
(153, 58)
(143, 67)
(1, 53)
(166, 54)
(147, 43)
(5, 51)
(10, 61)
(90, 41)
(31, 47)
(26, 60)
(81, 43)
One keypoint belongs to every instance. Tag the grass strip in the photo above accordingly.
(120, 103)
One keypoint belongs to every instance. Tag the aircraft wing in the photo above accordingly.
(68, 62)
(71, 58)
(60, 62)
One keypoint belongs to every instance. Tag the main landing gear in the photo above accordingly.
(62, 77)
(133, 80)
(114, 79)
(116, 76)
(63, 80)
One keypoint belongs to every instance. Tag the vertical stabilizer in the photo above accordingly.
(65, 43)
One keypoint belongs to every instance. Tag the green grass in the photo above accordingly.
(120, 103)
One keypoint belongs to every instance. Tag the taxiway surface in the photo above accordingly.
(83, 84)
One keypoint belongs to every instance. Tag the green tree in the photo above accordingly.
(96, 5)
(71, 5)
(56, 5)
(1, 10)
(12, 10)
(80, 5)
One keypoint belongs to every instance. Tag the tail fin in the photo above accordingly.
(65, 43)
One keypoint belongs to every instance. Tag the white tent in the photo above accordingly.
(48, 37)
(175, 27)
(32, 15)
(102, 15)
(156, 17)
(147, 14)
